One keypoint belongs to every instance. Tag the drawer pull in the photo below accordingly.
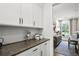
(45, 43)
(41, 53)
(35, 49)
(22, 20)
(34, 23)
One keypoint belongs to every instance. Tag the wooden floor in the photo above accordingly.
(62, 50)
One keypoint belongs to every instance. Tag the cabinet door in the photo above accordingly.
(9, 13)
(45, 49)
(37, 15)
(48, 48)
(36, 52)
(27, 14)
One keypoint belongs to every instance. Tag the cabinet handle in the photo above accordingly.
(45, 43)
(22, 20)
(41, 53)
(19, 20)
(35, 49)
(34, 23)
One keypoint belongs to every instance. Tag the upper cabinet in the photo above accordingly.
(31, 15)
(37, 15)
(9, 13)
(26, 14)
(22, 14)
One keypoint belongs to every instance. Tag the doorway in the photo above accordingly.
(65, 29)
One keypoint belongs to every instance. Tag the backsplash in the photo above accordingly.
(15, 34)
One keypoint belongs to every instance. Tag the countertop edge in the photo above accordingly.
(30, 47)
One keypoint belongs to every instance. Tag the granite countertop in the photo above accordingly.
(18, 47)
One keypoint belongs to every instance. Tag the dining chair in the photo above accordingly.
(77, 48)
(72, 41)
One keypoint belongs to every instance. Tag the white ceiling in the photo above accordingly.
(65, 10)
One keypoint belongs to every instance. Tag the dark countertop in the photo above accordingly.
(18, 47)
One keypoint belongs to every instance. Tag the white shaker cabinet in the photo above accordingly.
(9, 13)
(26, 14)
(31, 15)
(45, 49)
(40, 50)
(37, 15)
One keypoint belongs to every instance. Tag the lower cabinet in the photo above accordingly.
(40, 50)
(45, 49)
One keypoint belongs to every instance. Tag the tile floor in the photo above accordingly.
(62, 50)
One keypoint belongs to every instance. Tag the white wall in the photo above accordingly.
(78, 25)
(77, 10)
(48, 24)
(15, 34)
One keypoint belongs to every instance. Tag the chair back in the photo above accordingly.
(73, 36)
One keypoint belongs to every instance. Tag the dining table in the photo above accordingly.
(72, 39)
